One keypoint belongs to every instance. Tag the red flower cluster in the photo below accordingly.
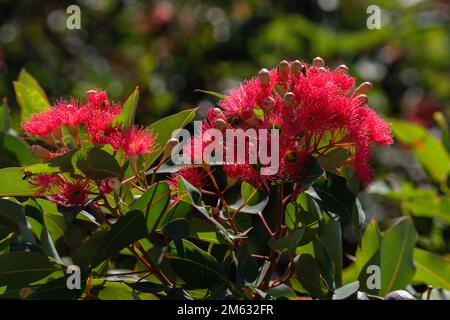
(316, 110)
(97, 115)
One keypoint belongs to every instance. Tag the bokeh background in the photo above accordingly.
(170, 48)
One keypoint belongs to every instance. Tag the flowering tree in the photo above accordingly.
(102, 199)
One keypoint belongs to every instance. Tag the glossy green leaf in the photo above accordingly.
(30, 96)
(257, 200)
(313, 171)
(152, 203)
(346, 291)
(126, 116)
(397, 264)
(165, 127)
(288, 243)
(95, 163)
(204, 231)
(30, 81)
(247, 268)
(18, 269)
(194, 197)
(14, 152)
(58, 290)
(426, 148)
(12, 216)
(212, 93)
(13, 183)
(195, 267)
(335, 198)
(331, 239)
(176, 229)
(106, 243)
(432, 269)
(309, 274)
(368, 254)
(303, 213)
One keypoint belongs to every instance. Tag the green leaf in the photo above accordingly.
(165, 127)
(14, 152)
(203, 231)
(421, 202)
(18, 269)
(13, 183)
(331, 240)
(288, 243)
(313, 171)
(309, 274)
(5, 116)
(247, 268)
(257, 199)
(432, 269)
(335, 198)
(152, 203)
(27, 79)
(195, 267)
(147, 287)
(176, 229)
(212, 93)
(12, 216)
(126, 116)
(426, 148)
(303, 213)
(368, 254)
(58, 290)
(106, 243)
(114, 290)
(397, 264)
(184, 187)
(30, 96)
(334, 158)
(95, 163)
(346, 291)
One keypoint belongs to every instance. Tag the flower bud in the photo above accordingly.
(283, 70)
(288, 100)
(362, 99)
(90, 95)
(296, 68)
(25, 292)
(220, 124)
(267, 104)
(169, 146)
(264, 77)
(249, 116)
(318, 62)
(363, 88)
(342, 68)
(40, 152)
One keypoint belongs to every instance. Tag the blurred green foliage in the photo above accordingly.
(171, 48)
